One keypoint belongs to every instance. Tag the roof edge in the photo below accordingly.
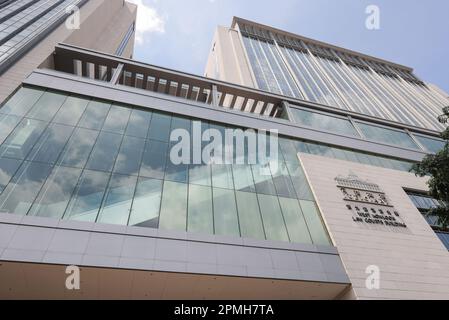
(236, 20)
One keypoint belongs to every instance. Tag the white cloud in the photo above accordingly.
(148, 21)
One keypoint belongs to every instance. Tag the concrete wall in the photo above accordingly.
(103, 26)
(413, 263)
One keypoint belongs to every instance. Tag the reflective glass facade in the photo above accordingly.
(22, 22)
(425, 203)
(431, 145)
(347, 126)
(76, 158)
(324, 122)
(324, 75)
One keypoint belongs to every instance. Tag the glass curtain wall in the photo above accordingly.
(76, 158)
(334, 82)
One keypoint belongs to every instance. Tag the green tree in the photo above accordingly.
(437, 168)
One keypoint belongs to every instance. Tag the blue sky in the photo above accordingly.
(178, 33)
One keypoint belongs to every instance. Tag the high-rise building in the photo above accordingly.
(30, 29)
(152, 181)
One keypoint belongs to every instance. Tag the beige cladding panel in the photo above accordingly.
(226, 61)
(413, 262)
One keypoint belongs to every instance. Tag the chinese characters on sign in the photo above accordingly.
(368, 203)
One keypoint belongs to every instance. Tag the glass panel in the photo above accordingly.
(21, 102)
(176, 173)
(20, 193)
(55, 195)
(105, 152)
(130, 156)
(117, 119)
(200, 174)
(294, 220)
(222, 177)
(154, 160)
(139, 124)
(174, 207)
(430, 144)
(249, 216)
(160, 127)
(200, 215)
(7, 125)
(323, 122)
(50, 144)
(147, 202)
(299, 181)
(282, 182)
(313, 220)
(243, 178)
(95, 115)
(263, 181)
(23, 138)
(388, 136)
(8, 168)
(87, 198)
(272, 218)
(225, 213)
(79, 147)
(71, 111)
(181, 123)
(47, 106)
(288, 149)
(117, 204)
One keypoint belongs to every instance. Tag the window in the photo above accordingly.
(22, 139)
(222, 176)
(71, 112)
(432, 145)
(424, 204)
(118, 199)
(249, 215)
(95, 115)
(294, 220)
(225, 213)
(105, 152)
(200, 175)
(154, 160)
(55, 194)
(47, 106)
(200, 218)
(263, 180)
(313, 220)
(87, 198)
(18, 196)
(139, 123)
(272, 218)
(8, 168)
(323, 122)
(160, 127)
(147, 202)
(79, 147)
(21, 102)
(89, 160)
(130, 156)
(117, 119)
(243, 178)
(387, 136)
(7, 125)
(51, 144)
(174, 207)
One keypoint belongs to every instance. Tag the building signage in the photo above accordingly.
(368, 204)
